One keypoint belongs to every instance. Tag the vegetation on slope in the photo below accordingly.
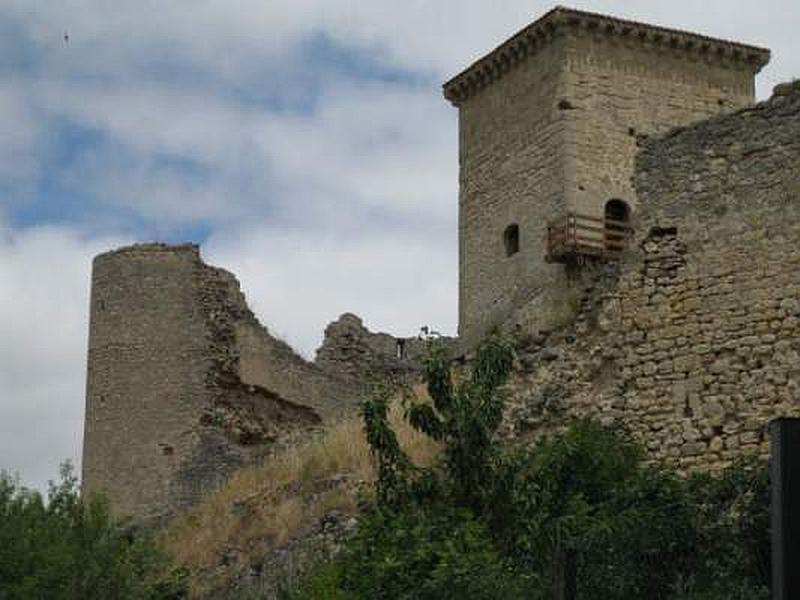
(444, 511)
(580, 515)
(67, 549)
(263, 507)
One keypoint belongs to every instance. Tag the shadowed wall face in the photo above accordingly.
(512, 158)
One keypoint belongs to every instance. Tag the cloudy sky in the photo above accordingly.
(304, 143)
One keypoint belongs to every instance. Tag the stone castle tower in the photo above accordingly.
(548, 127)
(184, 384)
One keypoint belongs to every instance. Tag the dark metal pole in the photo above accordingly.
(785, 481)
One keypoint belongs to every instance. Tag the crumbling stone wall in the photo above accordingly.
(351, 350)
(184, 385)
(693, 344)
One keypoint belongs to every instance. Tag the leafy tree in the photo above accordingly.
(465, 415)
(581, 514)
(583, 510)
(65, 548)
(423, 538)
(732, 534)
(428, 553)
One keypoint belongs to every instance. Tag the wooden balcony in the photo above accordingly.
(573, 238)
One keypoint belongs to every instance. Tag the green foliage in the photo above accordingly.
(465, 416)
(583, 501)
(732, 559)
(581, 511)
(66, 548)
(436, 552)
(394, 466)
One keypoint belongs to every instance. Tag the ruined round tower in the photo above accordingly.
(145, 383)
(184, 384)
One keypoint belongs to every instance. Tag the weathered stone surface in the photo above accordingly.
(349, 349)
(707, 355)
(184, 385)
(552, 127)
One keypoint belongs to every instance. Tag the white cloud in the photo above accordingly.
(298, 283)
(43, 327)
(21, 146)
(367, 145)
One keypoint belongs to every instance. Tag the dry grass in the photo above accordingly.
(262, 507)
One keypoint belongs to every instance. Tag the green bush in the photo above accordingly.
(581, 514)
(65, 548)
(732, 535)
(583, 507)
(424, 553)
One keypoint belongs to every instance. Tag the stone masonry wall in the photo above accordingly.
(693, 343)
(184, 385)
(512, 171)
(155, 390)
(554, 129)
(620, 88)
(350, 350)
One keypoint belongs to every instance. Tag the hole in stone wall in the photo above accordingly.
(656, 232)
(565, 104)
(687, 410)
(511, 239)
(618, 210)
(631, 131)
(167, 450)
(721, 101)
(401, 349)
(617, 215)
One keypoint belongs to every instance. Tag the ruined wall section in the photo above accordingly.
(184, 385)
(351, 350)
(711, 310)
(694, 344)
(271, 363)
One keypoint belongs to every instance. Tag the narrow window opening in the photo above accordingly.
(401, 349)
(511, 239)
(617, 215)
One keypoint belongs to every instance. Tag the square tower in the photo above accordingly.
(548, 123)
